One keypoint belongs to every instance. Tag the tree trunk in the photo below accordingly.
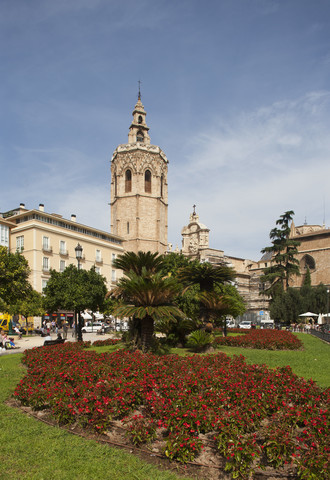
(147, 332)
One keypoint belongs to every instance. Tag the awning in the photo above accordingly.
(86, 316)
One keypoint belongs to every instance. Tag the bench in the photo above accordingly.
(53, 342)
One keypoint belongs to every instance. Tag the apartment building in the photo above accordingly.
(47, 240)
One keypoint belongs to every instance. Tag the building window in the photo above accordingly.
(62, 265)
(98, 257)
(43, 284)
(113, 275)
(45, 264)
(139, 137)
(127, 228)
(98, 270)
(113, 257)
(20, 243)
(4, 235)
(128, 181)
(63, 247)
(45, 243)
(140, 119)
(308, 262)
(161, 185)
(147, 181)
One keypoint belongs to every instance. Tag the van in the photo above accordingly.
(5, 319)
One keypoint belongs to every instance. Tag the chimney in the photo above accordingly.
(73, 217)
(41, 207)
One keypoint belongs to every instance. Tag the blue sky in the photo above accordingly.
(237, 94)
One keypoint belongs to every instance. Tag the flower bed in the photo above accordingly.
(262, 339)
(250, 415)
(108, 341)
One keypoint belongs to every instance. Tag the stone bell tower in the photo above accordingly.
(139, 199)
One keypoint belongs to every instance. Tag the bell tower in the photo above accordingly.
(139, 200)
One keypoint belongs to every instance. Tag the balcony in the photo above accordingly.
(99, 261)
(64, 252)
(47, 249)
(45, 269)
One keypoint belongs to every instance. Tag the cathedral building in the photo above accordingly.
(139, 198)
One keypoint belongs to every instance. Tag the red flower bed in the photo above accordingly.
(251, 415)
(262, 339)
(108, 341)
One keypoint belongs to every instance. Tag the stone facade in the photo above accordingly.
(313, 252)
(139, 196)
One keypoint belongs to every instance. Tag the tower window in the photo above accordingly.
(127, 227)
(128, 181)
(139, 136)
(161, 185)
(140, 119)
(147, 181)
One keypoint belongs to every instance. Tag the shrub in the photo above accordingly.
(199, 340)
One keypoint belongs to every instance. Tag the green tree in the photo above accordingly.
(75, 290)
(207, 278)
(283, 250)
(14, 275)
(130, 261)
(30, 306)
(147, 297)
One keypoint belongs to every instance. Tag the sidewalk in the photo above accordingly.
(37, 341)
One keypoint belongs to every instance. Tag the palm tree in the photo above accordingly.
(130, 261)
(207, 277)
(147, 297)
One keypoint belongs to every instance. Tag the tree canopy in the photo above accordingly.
(283, 251)
(14, 278)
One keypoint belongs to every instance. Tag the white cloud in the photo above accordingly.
(244, 174)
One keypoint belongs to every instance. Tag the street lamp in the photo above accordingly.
(78, 251)
(328, 305)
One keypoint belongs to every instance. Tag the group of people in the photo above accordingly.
(6, 342)
(53, 327)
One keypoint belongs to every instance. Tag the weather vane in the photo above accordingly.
(139, 82)
(194, 212)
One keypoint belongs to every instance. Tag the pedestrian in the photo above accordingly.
(65, 329)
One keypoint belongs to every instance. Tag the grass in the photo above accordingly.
(32, 450)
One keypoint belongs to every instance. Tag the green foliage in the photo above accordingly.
(199, 340)
(74, 289)
(205, 275)
(31, 305)
(283, 250)
(287, 306)
(14, 274)
(130, 261)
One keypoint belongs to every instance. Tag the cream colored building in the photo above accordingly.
(139, 198)
(48, 241)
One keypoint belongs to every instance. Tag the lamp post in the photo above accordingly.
(78, 251)
(328, 290)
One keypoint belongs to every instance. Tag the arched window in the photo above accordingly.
(140, 119)
(139, 136)
(308, 262)
(147, 181)
(128, 181)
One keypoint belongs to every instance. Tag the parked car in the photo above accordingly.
(94, 327)
(245, 324)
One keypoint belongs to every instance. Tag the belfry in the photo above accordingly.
(139, 198)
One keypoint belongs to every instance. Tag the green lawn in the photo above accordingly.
(33, 450)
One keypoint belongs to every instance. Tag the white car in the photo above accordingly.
(94, 327)
(245, 324)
